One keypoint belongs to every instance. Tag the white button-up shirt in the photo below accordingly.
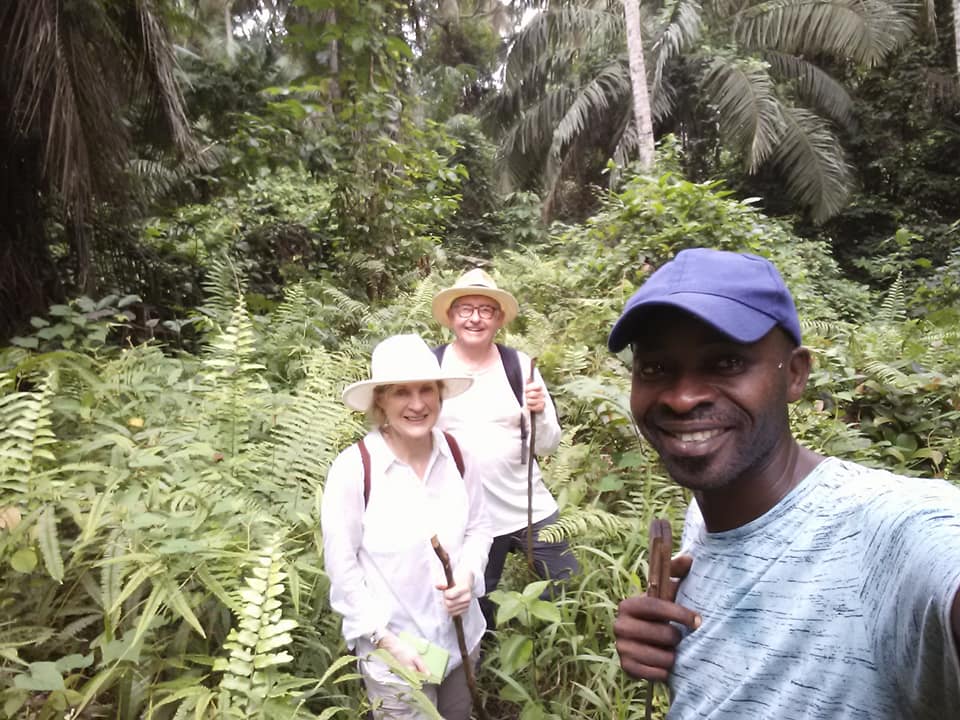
(383, 570)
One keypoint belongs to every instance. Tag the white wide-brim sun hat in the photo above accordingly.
(474, 282)
(402, 359)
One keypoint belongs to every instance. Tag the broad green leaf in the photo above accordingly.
(545, 610)
(24, 560)
(515, 653)
(42, 676)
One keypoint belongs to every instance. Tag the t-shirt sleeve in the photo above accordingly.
(908, 591)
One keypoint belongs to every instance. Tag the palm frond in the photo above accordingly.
(810, 159)
(572, 25)
(609, 88)
(157, 70)
(813, 86)
(71, 66)
(681, 31)
(865, 31)
(750, 112)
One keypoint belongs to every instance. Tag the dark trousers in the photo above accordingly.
(551, 560)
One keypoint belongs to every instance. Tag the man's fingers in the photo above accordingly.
(646, 637)
(679, 569)
(660, 612)
(640, 671)
(680, 566)
(634, 631)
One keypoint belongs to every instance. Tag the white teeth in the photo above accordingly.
(698, 436)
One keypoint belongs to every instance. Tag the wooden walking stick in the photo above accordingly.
(659, 550)
(458, 626)
(530, 460)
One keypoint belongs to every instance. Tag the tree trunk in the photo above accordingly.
(638, 81)
(956, 35)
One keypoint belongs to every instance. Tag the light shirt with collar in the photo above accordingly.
(486, 421)
(383, 570)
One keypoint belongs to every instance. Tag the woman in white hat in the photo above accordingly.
(385, 497)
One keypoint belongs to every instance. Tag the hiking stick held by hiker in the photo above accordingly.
(458, 626)
(659, 550)
(530, 460)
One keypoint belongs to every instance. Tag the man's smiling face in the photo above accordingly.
(474, 329)
(715, 409)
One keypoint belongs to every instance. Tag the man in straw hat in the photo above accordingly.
(492, 419)
(809, 587)
(384, 499)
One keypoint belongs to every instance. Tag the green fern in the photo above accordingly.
(585, 523)
(27, 436)
(259, 642)
(224, 285)
(233, 377)
(894, 306)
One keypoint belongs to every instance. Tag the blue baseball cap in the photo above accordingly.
(741, 295)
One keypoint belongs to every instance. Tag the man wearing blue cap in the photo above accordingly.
(808, 587)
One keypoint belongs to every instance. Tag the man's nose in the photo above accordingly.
(687, 392)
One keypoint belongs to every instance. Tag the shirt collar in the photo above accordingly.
(382, 458)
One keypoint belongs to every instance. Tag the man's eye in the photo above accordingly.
(730, 363)
(648, 369)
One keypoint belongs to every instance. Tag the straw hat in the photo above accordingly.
(474, 282)
(402, 359)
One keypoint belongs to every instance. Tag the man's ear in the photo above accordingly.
(800, 363)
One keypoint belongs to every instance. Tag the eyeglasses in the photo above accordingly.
(487, 312)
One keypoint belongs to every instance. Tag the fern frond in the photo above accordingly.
(232, 377)
(257, 644)
(585, 523)
(26, 436)
(223, 286)
(358, 311)
(894, 307)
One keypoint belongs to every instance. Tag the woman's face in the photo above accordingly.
(410, 410)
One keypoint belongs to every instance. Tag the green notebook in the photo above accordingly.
(434, 656)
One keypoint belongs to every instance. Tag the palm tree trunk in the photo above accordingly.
(956, 35)
(638, 80)
(228, 28)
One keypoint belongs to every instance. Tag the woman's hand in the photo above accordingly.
(404, 654)
(456, 598)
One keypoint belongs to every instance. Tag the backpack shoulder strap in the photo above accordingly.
(455, 451)
(365, 459)
(511, 366)
(439, 350)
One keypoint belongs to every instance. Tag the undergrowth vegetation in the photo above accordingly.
(160, 550)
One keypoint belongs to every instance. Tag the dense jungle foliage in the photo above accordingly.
(189, 280)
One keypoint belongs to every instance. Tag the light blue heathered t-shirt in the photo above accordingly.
(834, 604)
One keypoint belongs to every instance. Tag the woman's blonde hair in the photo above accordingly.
(375, 415)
